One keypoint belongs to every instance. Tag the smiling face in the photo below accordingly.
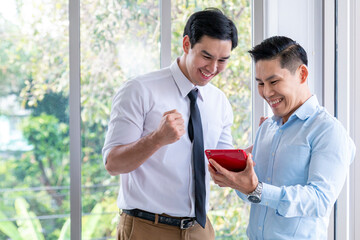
(284, 92)
(205, 59)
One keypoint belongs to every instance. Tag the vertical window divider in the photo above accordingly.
(258, 31)
(354, 117)
(75, 120)
(342, 107)
(328, 89)
(165, 33)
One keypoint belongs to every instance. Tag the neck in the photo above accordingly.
(306, 97)
(182, 65)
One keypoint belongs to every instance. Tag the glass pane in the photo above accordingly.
(229, 214)
(34, 131)
(119, 40)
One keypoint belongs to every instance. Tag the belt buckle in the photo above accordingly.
(187, 223)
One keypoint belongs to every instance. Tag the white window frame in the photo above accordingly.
(348, 214)
(342, 105)
(354, 118)
(165, 19)
(348, 66)
(75, 105)
(259, 107)
(329, 74)
(343, 223)
(341, 56)
(75, 120)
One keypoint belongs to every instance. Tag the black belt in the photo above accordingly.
(182, 223)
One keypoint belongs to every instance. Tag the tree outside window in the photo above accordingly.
(119, 39)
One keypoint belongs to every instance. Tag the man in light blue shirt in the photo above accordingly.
(301, 155)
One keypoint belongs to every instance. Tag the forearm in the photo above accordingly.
(126, 158)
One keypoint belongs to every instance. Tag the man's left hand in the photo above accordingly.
(244, 181)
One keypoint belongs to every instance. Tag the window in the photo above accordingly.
(119, 40)
(228, 214)
(329, 32)
(34, 138)
(41, 113)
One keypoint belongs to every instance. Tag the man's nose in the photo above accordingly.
(268, 91)
(212, 67)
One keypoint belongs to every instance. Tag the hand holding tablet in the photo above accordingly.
(231, 159)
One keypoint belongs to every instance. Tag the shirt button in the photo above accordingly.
(260, 228)
(273, 154)
(268, 179)
(280, 130)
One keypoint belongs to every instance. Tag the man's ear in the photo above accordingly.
(304, 73)
(186, 44)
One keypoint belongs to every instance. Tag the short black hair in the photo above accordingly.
(213, 23)
(290, 53)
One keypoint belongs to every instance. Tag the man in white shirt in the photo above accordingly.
(148, 143)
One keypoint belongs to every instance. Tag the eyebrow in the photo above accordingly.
(267, 79)
(208, 54)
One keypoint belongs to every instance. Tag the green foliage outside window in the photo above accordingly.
(34, 67)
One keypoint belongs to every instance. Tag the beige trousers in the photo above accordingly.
(133, 228)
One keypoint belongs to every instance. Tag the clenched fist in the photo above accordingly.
(171, 127)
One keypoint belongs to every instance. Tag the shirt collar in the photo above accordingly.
(183, 83)
(307, 109)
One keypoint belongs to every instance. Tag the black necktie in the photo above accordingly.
(196, 136)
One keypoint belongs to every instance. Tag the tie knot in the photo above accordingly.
(193, 95)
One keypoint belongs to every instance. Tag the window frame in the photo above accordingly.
(75, 103)
(341, 56)
(343, 50)
(348, 37)
(75, 120)
(349, 46)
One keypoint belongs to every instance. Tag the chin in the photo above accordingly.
(202, 82)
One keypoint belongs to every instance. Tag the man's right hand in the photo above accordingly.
(171, 127)
(127, 158)
(262, 119)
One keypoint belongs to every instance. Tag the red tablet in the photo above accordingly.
(231, 159)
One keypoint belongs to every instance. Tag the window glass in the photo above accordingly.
(119, 40)
(34, 120)
(228, 214)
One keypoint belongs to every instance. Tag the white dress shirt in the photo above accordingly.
(164, 183)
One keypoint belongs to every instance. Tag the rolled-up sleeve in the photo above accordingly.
(126, 118)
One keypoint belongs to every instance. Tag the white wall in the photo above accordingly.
(300, 20)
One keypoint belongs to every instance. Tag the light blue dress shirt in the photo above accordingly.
(303, 165)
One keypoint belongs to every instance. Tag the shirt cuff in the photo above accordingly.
(105, 155)
(241, 195)
(270, 196)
